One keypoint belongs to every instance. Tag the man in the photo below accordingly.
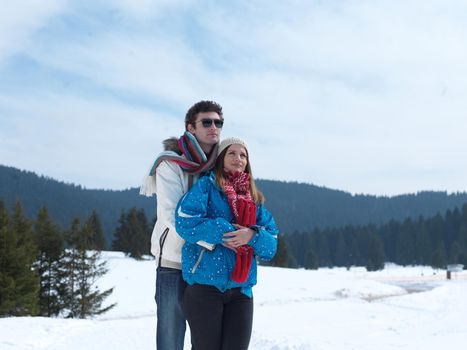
(171, 176)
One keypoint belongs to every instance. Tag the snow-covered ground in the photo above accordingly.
(397, 308)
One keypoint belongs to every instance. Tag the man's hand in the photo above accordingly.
(239, 237)
(229, 247)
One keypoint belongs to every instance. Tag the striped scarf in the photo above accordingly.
(194, 162)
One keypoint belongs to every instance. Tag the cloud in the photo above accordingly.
(19, 20)
(146, 9)
(101, 143)
(360, 95)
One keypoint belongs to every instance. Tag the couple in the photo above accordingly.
(211, 223)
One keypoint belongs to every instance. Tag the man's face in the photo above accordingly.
(207, 136)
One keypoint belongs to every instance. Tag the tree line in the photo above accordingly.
(45, 271)
(65, 201)
(435, 241)
(295, 206)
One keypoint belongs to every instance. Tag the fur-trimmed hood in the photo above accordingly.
(171, 144)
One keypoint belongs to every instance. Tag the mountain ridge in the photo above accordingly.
(296, 206)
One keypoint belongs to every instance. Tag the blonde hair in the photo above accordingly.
(256, 194)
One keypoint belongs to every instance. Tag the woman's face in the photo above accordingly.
(235, 158)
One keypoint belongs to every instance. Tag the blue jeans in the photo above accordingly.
(171, 324)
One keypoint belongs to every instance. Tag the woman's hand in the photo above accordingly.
(239, 237)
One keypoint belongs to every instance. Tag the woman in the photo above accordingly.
(225, 210)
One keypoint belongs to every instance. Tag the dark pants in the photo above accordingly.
(218, 320)
(171, 322)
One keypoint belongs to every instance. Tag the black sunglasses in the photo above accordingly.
(208, 122)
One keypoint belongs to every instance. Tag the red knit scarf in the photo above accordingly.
(237, 190)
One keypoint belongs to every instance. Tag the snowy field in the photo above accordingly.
(397, 308)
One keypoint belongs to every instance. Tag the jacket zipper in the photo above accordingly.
(198, 261)
(161, 243)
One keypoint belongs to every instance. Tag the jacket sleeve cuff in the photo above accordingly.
(255, 237)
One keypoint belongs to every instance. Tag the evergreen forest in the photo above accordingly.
(47, 271)
(295, 206)
(436, 241)
(319, 228)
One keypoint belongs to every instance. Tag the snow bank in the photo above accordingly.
(294, 309)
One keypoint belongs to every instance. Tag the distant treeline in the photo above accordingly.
(435, 241)
(295, 206)
(321, 227)
(47, 271)
(67, 201)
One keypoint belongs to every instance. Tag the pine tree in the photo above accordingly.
(133, 234)
(324, 253)
(341, 255)
(354, 256)
(311, 261)
(455, 254)
(423, 243)
(438, 255)
(7, 281)
(454, 236)
(19, 283)
(463, 242)
(297, 243)
(405, 244)
(438, 258)
(50, 245)
(122, 235)
(375, 253)
(97, 237)
(70, 268)
(146, 229)
(83, 268)
(281, 259)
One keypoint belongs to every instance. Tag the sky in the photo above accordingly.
(363, 96)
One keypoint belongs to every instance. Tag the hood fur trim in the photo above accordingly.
(171, 144)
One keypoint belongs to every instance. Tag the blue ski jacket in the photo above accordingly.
(204, 214)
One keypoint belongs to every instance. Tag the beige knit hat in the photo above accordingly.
(231, 141)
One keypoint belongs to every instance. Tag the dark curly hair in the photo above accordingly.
(199, 107)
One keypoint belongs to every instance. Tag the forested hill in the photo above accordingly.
(67, 201)
(295, 206)
(302, 207)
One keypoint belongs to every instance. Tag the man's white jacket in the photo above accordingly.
(171, 185)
